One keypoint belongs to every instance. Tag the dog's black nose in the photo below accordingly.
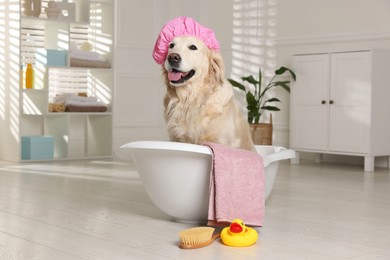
(174, 59)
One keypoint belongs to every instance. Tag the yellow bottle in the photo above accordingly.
(29, 76)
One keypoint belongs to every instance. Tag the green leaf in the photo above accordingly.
(282, 70)
(237, 84)
(253, 113)
(272, 100)
(253, 116)
(270, 108)
(260, 76)
(250, 79)
(283, 84)
(251, 100)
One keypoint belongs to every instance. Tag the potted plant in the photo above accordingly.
(258, 102)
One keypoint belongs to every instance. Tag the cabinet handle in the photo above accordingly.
(331, 102)
(323, 102)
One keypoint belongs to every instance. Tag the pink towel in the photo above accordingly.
(236, 186)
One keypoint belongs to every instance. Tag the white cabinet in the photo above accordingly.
(32, 39)
(339, 104)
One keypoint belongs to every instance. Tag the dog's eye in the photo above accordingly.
(171, 45)
(193, 47)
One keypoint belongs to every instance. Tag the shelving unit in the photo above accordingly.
(337, 104)
(76, 135)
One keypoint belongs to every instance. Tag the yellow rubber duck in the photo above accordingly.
(239, 235)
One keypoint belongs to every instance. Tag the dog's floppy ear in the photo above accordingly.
(217, 68)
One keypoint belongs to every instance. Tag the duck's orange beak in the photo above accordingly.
(235, 227)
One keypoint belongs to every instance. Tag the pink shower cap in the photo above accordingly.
(178, 27)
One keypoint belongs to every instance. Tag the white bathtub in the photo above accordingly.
(176, 175)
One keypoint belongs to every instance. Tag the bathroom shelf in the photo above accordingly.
(42, 21)
(77, 135)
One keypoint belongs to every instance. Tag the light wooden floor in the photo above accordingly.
(99, 210)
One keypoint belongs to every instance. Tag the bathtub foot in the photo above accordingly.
(295, 160)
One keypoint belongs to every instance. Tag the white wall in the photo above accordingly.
(310, 19)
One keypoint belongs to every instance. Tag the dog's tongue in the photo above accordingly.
(175, 76)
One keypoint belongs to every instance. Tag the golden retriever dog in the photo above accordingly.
(199, 104)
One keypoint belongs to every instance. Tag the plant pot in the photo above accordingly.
(262, 133)
(52, 11)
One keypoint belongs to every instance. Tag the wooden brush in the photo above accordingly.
(197, 237)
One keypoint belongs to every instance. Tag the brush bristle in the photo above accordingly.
(196, 235)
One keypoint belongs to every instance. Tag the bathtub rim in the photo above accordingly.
(167, 145)
(279, 152)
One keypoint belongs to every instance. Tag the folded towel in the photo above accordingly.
(87, 55)
(89, 64)
(83, 103)
(75, 108)
(75, 103)
(237, 186)
(64, 98)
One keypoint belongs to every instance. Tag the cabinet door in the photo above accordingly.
(351, 93)
(309, 102)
